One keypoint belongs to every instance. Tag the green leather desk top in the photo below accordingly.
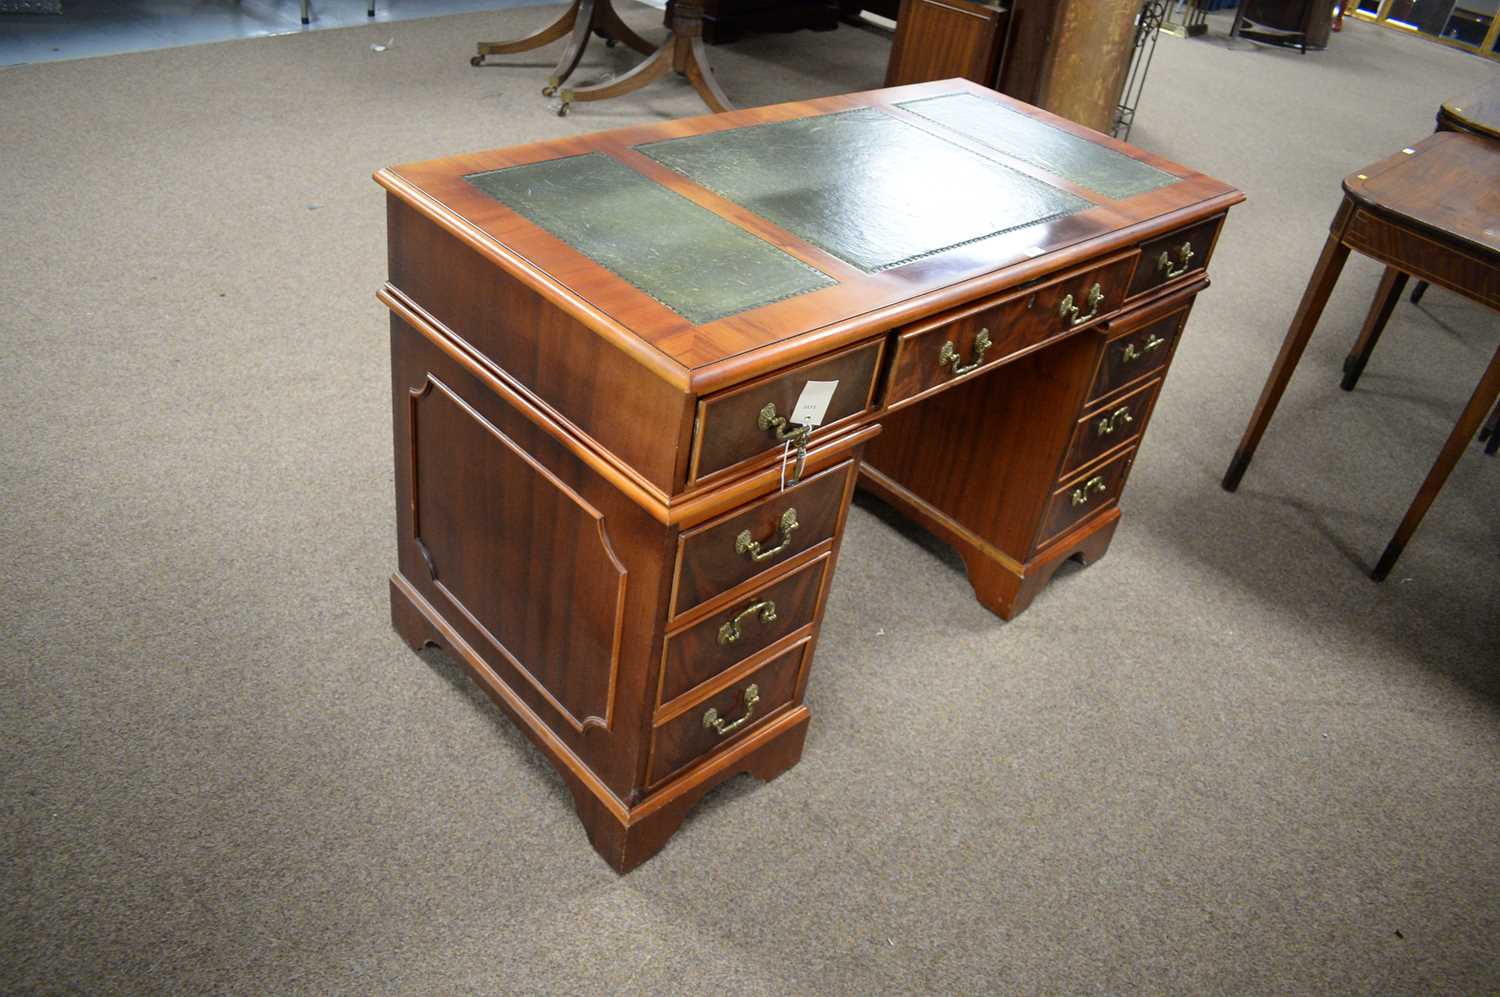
(1088, 164)
(693, 244)
(857, 184)
(864, 186)
(684, 256)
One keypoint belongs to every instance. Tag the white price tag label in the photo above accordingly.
(812, 404)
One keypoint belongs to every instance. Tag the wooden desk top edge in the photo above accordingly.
(719, 354)
(1362, 187)
(1478, 110)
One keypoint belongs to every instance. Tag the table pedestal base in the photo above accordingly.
(681, 53)
(577, 23)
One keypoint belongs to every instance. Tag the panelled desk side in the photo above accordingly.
(592, 513)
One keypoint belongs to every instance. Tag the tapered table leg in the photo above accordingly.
(1319, 286)
(1386, 296)
(1468, 423)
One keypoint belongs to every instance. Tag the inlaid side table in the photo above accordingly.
(1432, 210)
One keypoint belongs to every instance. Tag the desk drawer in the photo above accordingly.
(950, 346)
(741, 629)
(1139, 353)
(737, 709)
(730, 427)
(1161, 260)
(1110, 426)
(712, 558)
(1084, 496)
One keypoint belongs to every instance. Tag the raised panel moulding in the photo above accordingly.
(540, 580)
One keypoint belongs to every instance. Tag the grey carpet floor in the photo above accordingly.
(1219, 761)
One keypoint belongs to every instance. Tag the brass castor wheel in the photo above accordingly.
(610, 43)
(562, 111)
(549, 91)
(476, 60)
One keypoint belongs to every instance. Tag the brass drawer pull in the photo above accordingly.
(1184, 258)
(1119, 417)
(730, 632)
(1082, 493)
(1069, 311)
(713, 722)
(949, 354)
(1130, 353)
(769, 421)
(743, 544)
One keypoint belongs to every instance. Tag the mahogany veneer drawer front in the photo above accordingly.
(1085, 495)
(1178, 256)
(1129, 357)
(743, 422)
(1110, 426)
(734, 548)
(939, 350)
(741, 629)
(717, 722)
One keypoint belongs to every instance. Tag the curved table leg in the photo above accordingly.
(682, 52)
(656, 65)
(1391, 284)
(582, 25)
(703, 80)
(550, 33)
(617, 30)
(1479, 406)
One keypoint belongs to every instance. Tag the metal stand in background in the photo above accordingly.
(1194, 20)
(1149, 23)
(1267, 34)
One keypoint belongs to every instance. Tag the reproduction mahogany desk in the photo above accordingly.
(1433, 210)
(608, 506)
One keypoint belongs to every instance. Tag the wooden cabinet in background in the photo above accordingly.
(726, 20)
(1067, 56)
(942, 39)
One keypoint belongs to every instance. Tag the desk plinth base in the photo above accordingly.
(625, 836)
(1002, 585)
